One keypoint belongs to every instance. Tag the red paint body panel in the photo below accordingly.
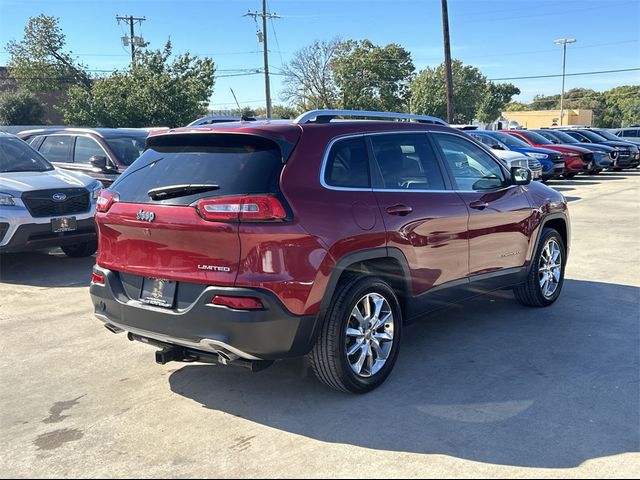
(499, 235)
(171, 247)
(433, 237)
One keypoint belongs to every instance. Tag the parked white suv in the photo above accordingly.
(42, 206)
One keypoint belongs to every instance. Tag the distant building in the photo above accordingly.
(48, 100)
(550, 118)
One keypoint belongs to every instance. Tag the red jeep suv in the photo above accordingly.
(244, 243)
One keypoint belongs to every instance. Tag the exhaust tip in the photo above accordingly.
(113, 328)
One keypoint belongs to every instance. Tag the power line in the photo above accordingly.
(568, 74)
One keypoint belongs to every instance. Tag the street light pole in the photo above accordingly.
(563, 42)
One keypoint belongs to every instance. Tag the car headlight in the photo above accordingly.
(7, 200)
(539, 156)
(95, 190)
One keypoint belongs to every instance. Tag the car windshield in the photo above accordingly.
(594, 137)
(607, 135)
(127, 147)
(509, 140)
(536, 138)
(17, 156)
(561, 136)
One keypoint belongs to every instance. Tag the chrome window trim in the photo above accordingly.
(325, 158)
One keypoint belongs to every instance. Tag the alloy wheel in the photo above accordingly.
(369, 335)
(550, 268)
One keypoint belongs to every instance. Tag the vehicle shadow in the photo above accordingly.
(44, 268)
(488, 381)
(572, 199)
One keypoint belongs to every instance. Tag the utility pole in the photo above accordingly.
(447, 62)
(563, 42)
(132, 40)
(262, 37)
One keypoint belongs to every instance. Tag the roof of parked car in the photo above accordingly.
(102, 132)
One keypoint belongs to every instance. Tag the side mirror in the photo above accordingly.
(497, 146)
(99, 161)
(520, 176)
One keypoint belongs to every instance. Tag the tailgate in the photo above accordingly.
(177, 245)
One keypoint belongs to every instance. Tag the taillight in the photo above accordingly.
(97, 278)
(238, 303)
(105, 200)
(242, 208)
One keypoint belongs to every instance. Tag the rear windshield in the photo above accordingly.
(17, 156)
(238, 164)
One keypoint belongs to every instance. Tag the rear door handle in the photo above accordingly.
(401, 210)
(479, 205)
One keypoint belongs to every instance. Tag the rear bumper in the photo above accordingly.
(33, 236)
(267, 334)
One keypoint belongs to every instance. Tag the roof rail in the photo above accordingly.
(325, 116)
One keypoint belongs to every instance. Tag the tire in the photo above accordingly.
(85, 249)
(329, 358)
(531, 292)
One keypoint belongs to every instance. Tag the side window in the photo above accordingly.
(472, 168)
(407, 161)
(348, 164)
(630, 133)
(57, 148)
(85, 149)
(485, 140)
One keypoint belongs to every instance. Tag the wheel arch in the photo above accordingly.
(390, 264)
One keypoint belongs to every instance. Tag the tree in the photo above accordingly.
(516, 107)
(496, 96)
(371, 77)
(153, 93)
(20, 108)
(38, 61)
(621, 106)
(309, 81)
(428, 95)
(283, 111)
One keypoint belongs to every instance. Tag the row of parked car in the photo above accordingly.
(58, 175)
(564, 152)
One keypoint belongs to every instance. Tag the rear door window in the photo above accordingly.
(57, 148)
(407, 162)
(348, 164)
(238, 164)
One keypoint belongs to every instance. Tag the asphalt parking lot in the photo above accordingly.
(488, 388)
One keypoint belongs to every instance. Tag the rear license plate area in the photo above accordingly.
(158, 292)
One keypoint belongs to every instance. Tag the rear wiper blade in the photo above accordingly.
(173, 191)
